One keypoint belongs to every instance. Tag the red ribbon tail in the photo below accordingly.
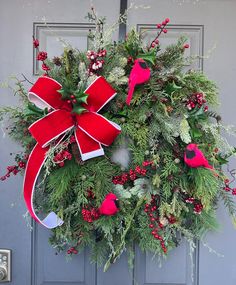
(88, 147)
(34, 165)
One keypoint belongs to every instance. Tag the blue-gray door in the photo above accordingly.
(210, 26)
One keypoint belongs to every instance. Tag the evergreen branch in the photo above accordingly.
(129, 221)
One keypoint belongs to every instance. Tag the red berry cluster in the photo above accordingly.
(89, 213)
(155, 224)
(196, 100)
(133, 174)
(41, 55)
(162, 29)
(72, 250)
(60, 157)
(96, 61)
(14, 169)
(227, 187)
(197, 206)
(72, 139)
(72, 99)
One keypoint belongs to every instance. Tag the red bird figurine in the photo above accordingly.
(194, 158)
(139, 74)
(110, 205)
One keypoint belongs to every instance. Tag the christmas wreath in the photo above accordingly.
(120, 146)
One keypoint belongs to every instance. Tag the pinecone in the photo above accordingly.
(57, 61)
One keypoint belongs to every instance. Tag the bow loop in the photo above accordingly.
(98, 127)
(99, 94)
(44, 94)
(51, 126)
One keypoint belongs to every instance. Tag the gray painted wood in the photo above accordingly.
(34, 261)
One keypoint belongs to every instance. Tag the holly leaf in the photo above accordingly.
(64, 93)
(149, 56)
(82, 99)
(197, 112)
(78, 109)
(171, 88)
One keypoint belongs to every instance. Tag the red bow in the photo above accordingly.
(90, 128)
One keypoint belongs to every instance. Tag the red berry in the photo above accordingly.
(227, 189)
(72, 96)
(45, 67)
(153, 45)
(68, 101)
(165, 31)
(159, 26)
(186, 46)
(61, 164)
(154, 232)
(152, 219)
(167, 20)
(151, 226)
(156, 236)
(36, 43)
(74, 101)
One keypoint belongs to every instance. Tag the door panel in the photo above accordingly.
(175, 270)
(50, 267)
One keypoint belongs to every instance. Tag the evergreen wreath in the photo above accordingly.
(160, 179)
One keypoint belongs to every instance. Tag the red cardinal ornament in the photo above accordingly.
(110, 205)
(194, 158)
(139, 74)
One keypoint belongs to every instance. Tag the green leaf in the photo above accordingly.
(83, 99)
(172, 88)
(184, 131)
(64, 93)
(149, 56)
(197, 112)
(33, 109)
(121, 192)
(78, 109)
(195, 133)
(221, 159)
(156, 180)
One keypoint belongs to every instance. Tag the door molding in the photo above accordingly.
(194, 34)
(45, 31)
